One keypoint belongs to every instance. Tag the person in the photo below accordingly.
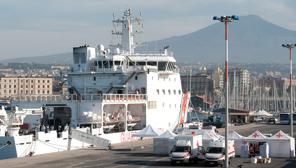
(129, 116)
(251, 150)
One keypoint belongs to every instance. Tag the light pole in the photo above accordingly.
(226, 20)
(290, 46)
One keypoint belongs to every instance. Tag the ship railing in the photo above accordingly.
(124, 97)
(34, 98)
(100, 97)
(110, 97)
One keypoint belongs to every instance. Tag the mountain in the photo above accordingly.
(63, 58)
(251, 40)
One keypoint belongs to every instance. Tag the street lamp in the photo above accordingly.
(226, 20)
(290, 46)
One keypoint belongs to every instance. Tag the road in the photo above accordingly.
(141, 156)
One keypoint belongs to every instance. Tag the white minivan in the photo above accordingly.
(215, 153)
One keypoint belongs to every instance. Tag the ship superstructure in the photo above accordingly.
(113, 92)
(146, 86)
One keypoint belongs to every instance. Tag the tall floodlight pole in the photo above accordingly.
(290, 46)
(226, 20)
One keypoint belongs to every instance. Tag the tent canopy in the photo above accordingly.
(262, 113)
(166, 134)
(233, 135)
(257, 135)
(148, 131)
(280, 136)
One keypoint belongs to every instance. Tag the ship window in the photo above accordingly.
(131, 63)
(136, 77)
(171, 66)
(95, 78)
(163, 91)
(100, 64)
(169, 91)
(175, 92)
(162, 66)
(157, 91)
(96, 63)
(111, 64)
(117, 62)
(141, 63)
(152, 63)
(105, 64)
(179, 92)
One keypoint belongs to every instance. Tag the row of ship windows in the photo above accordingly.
(27, 91)
(152, 105)
(32, 86)
(170, 105)
(164, 79)
(32, 81)
(168, 91)
(162, 65)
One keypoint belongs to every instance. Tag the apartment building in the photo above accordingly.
(15, 86)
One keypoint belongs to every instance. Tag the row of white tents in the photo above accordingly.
(280, 144)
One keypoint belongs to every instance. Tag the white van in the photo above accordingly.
(215, 153)
(186, 148)
(181, 152)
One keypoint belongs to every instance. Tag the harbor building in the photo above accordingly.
(11, 87)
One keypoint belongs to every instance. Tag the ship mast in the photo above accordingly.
(127, 34)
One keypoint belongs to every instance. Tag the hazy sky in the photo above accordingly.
(44, 27)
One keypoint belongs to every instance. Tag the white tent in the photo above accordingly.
(238, 141)
(163, 143)
(167, 134)
(207, 135)
(260, 113)
(281, 145)
(148, 131)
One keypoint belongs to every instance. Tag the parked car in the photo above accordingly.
(273, 120)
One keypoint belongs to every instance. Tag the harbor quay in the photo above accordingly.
(139, 154)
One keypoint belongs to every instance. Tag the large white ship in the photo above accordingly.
(112, 93)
